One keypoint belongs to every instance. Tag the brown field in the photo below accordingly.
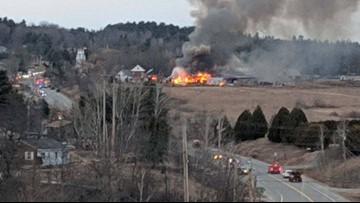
(331, 102)
(319, 101)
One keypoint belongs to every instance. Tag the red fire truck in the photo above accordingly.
(274, 168)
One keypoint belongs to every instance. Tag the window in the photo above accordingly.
(29, 156)
(56, 155)
(42, 154)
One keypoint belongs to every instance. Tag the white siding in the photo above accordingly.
(54, 157)
(29, 156)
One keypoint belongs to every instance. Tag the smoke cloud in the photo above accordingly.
(222, 24)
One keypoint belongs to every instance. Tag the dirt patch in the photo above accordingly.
(354, 197)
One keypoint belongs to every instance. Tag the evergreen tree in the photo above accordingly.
(156, 125)
(45, 109)
(156, 147)
(295, 119)
(259, 124)
(12, 113)
(12, 107)
(353, 139)
(308, 136)
(299, 116)
(12, 120)
(276, 130)
(242, 129)
(227, 132)
(5, 87)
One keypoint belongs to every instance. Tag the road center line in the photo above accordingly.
(296, 190)
(323, 193)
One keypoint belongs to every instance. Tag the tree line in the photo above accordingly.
(284, 127)
(157, 46)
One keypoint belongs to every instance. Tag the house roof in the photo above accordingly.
(124, 72)
(2, 66)
(58, 124)
(43, 143)
(3, 49)
(137, 68)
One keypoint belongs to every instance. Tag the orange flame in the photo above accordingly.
(198, 78)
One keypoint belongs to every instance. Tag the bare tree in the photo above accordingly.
(342, 132)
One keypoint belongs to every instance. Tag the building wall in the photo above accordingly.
(138, 75)
(53, 157)
(21, 152)
(80, 56)
(350, 78)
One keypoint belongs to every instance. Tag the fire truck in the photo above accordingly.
(274, 168)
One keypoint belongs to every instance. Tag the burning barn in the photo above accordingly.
(179, 76)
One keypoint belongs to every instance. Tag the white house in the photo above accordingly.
(3, 50)
(80, 55)
(45, 151)
(138, 73)
(124, 76)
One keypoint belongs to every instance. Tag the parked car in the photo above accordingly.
(295, 176)
(286, 173)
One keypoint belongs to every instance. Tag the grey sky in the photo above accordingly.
(96, 14)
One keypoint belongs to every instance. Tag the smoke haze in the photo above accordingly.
(221, 24)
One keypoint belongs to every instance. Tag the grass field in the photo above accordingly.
(318, 102)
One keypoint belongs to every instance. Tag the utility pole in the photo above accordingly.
(104, 119)
(220, 128)
(113, 129)
(207, 126)
(254, 188)
(343, 136)
(109, 144)
(185, 164)
(322, 140)
(234, 169)
(251, 189)
(28, 115)
(235, 182)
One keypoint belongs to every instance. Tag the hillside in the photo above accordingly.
(158, 46)
(234, 100)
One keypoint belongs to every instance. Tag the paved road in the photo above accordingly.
(53, 98)
(58, 100)
(279, 189)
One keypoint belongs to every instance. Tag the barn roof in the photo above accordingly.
(137, 68)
